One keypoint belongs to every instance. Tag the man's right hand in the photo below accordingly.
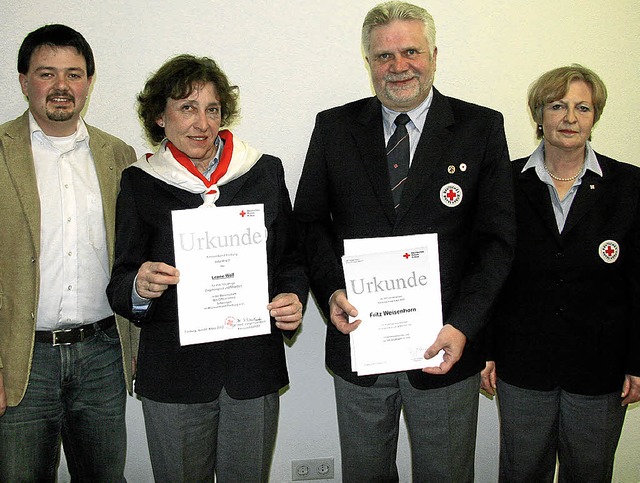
(3, 396)
(339, 311)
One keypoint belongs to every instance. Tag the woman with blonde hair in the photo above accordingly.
(566, 329)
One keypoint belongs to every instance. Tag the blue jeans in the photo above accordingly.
(76, 393)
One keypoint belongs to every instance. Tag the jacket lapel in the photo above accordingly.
(19, 159)
(187, 200)
(228, 191)
(433, 145)
(537, 193)
(589, 192)
(107, 173)
(368, 134)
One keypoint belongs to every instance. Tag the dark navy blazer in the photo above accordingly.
(569, 316)
(247, 367)
(344, 193)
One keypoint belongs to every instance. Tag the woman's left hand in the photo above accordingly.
(630, 389)
(287, 310)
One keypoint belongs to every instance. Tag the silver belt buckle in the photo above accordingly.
(55, 337)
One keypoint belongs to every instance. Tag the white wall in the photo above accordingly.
(294, 58)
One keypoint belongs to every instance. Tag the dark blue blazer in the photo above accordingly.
(344, 193)
(166, 372)
(568, 318)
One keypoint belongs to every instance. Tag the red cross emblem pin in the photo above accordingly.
(609, 251)
(451, 195)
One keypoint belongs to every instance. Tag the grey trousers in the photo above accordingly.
(538, 426)
(441, 423)
(234, 438)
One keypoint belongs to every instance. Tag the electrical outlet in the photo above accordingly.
(315, 469)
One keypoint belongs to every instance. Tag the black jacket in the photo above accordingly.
(568, 318)
(248, 367)
(344, 193)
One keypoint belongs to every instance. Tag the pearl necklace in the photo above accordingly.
(558, 178)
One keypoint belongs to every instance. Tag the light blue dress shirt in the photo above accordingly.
(561, 207)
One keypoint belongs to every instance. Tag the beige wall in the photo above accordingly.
(294, 58)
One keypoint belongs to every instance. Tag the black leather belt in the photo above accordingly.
(77, 334)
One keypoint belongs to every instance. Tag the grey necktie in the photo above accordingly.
(398, 157)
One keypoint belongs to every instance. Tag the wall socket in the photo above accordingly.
(315, 469)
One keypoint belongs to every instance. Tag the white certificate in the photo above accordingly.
(222, 257)
(397, 294)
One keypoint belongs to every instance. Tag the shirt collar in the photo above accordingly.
(35, 131)
(216, 158)
(536, 161)
(418, 115)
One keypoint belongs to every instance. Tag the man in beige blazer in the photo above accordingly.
(65, 359)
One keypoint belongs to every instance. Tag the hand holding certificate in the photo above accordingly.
(397, 294)
(223, 291)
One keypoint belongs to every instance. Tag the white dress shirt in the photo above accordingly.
(74, 263)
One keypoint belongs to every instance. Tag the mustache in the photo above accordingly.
(61, 93)
(399, 77)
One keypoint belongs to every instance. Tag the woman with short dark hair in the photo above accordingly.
(210, 407)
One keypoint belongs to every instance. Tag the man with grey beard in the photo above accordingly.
(65, 361)
(409, 161)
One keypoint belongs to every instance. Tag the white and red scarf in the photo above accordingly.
(173, 167)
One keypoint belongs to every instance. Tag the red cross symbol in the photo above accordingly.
(242, 213)
(609, 250)
(452, 195)
(406, 255)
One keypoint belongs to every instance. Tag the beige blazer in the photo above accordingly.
(20, 246)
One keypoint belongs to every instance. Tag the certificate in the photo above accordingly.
(397, 294)
(222, 257)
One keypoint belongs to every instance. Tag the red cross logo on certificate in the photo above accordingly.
(406, 256)
(243, 213)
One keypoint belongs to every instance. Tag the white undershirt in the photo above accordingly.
(74, 263)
